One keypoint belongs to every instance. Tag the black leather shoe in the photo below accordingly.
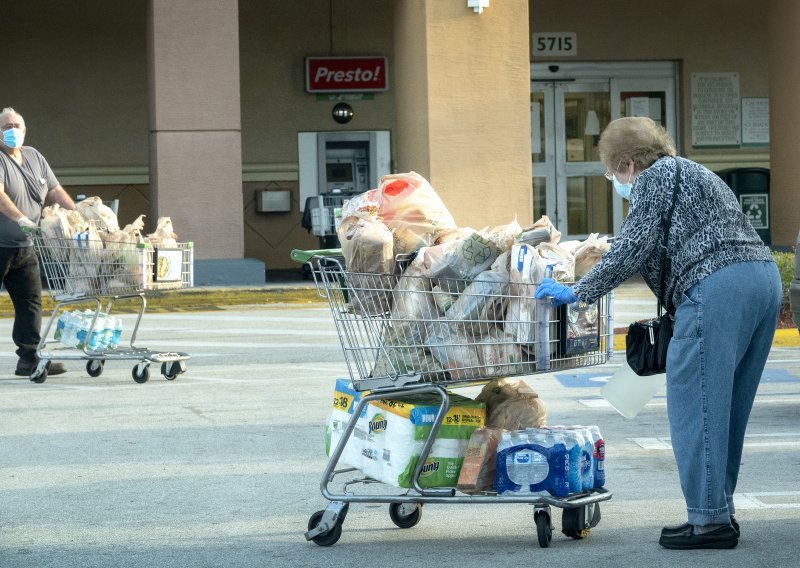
(25, 368)
(685, 539)
(667, 531)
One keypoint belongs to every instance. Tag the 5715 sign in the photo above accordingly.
(554, 43)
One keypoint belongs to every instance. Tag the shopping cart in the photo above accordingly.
(388, 358)
(80, 270)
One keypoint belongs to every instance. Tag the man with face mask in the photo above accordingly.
(26, 184)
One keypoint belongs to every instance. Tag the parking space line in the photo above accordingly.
(776, 500)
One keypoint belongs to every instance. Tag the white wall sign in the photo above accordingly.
(756, 207)
(755, 121)
(554, 44)
(716, 109)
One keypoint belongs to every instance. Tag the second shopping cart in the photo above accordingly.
(81, 270)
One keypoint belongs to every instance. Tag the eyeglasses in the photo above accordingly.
(609, 175)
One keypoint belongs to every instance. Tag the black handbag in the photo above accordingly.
(647, 342)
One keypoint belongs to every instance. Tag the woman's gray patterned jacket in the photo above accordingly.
(709, 231)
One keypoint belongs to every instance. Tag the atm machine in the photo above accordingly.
(333, 167)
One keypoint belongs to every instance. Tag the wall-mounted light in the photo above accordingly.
(342, 113)
(478, 5)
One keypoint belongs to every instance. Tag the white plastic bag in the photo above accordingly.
(164, 236)
(588, 253)
(413, 210)
(93, 209)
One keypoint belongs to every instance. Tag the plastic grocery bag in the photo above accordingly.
(413, 210)
(164, 236)
(501, 356)
(54, 222)
(451, 348)
(561, 261)
(85, 260)
(93, 208)
(412, 307)
(588, 253)
(542, 231)
(367, 249)
(122, 260)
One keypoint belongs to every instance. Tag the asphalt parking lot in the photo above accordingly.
(221, 467)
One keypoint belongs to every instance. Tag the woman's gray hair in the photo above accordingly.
(635, 138)
(9, 110)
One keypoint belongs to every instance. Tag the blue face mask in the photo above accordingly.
(13, 137)
(623, 189)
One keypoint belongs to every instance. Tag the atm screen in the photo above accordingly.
(339, 172)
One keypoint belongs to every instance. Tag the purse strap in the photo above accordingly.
(666, 235)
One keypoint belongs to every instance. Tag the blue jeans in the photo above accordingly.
(723, 334)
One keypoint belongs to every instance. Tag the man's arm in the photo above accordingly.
(60, 196)
(7, 206)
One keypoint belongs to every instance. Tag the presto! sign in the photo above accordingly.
(346, 74)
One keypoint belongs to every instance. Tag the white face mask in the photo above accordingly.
(623, 189)
(13, 137)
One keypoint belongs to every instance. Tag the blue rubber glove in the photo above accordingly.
(561, 294)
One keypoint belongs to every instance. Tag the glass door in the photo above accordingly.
(568, 113)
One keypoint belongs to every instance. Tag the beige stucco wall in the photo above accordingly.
(464, 86)
(784, 84)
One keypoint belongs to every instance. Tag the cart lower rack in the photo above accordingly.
(80, 270)
(405, 335)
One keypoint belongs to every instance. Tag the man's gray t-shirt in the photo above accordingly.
(21, 183)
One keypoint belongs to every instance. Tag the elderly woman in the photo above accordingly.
(723, 289)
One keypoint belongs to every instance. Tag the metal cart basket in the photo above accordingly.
(82, 270)
(408, 335)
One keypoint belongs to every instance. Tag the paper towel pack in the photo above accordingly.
(389, 435)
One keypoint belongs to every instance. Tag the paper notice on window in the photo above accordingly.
(716, 109)
(755, 121)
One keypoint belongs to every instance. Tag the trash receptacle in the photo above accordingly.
(751, 187)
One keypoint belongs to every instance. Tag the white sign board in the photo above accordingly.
(755, 121)
(716, 109)
(756, 207)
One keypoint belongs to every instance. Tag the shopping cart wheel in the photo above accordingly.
(405, 515)
(574, 521)
(328, 538)
(544, 528)
(95, 367)
(172, 369)
(39, 374)
(141, 373)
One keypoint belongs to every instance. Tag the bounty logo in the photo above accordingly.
(429, 468)
(377, 424)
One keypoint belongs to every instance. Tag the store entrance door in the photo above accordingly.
(570, 106)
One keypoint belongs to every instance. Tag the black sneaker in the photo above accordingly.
(25, 368)
(685, 539)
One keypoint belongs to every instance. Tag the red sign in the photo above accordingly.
(346, 74)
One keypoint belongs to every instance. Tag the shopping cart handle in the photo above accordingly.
(303, 256)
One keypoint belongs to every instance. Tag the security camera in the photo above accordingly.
(553, 68)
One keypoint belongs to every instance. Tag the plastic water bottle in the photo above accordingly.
(82, 327)
(115, 333)
(599, 456)
(60, 324)
(587, 457)
(95, 340)
(574, 446)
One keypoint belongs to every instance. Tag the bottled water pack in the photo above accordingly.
(553, 461)
(72, 330)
